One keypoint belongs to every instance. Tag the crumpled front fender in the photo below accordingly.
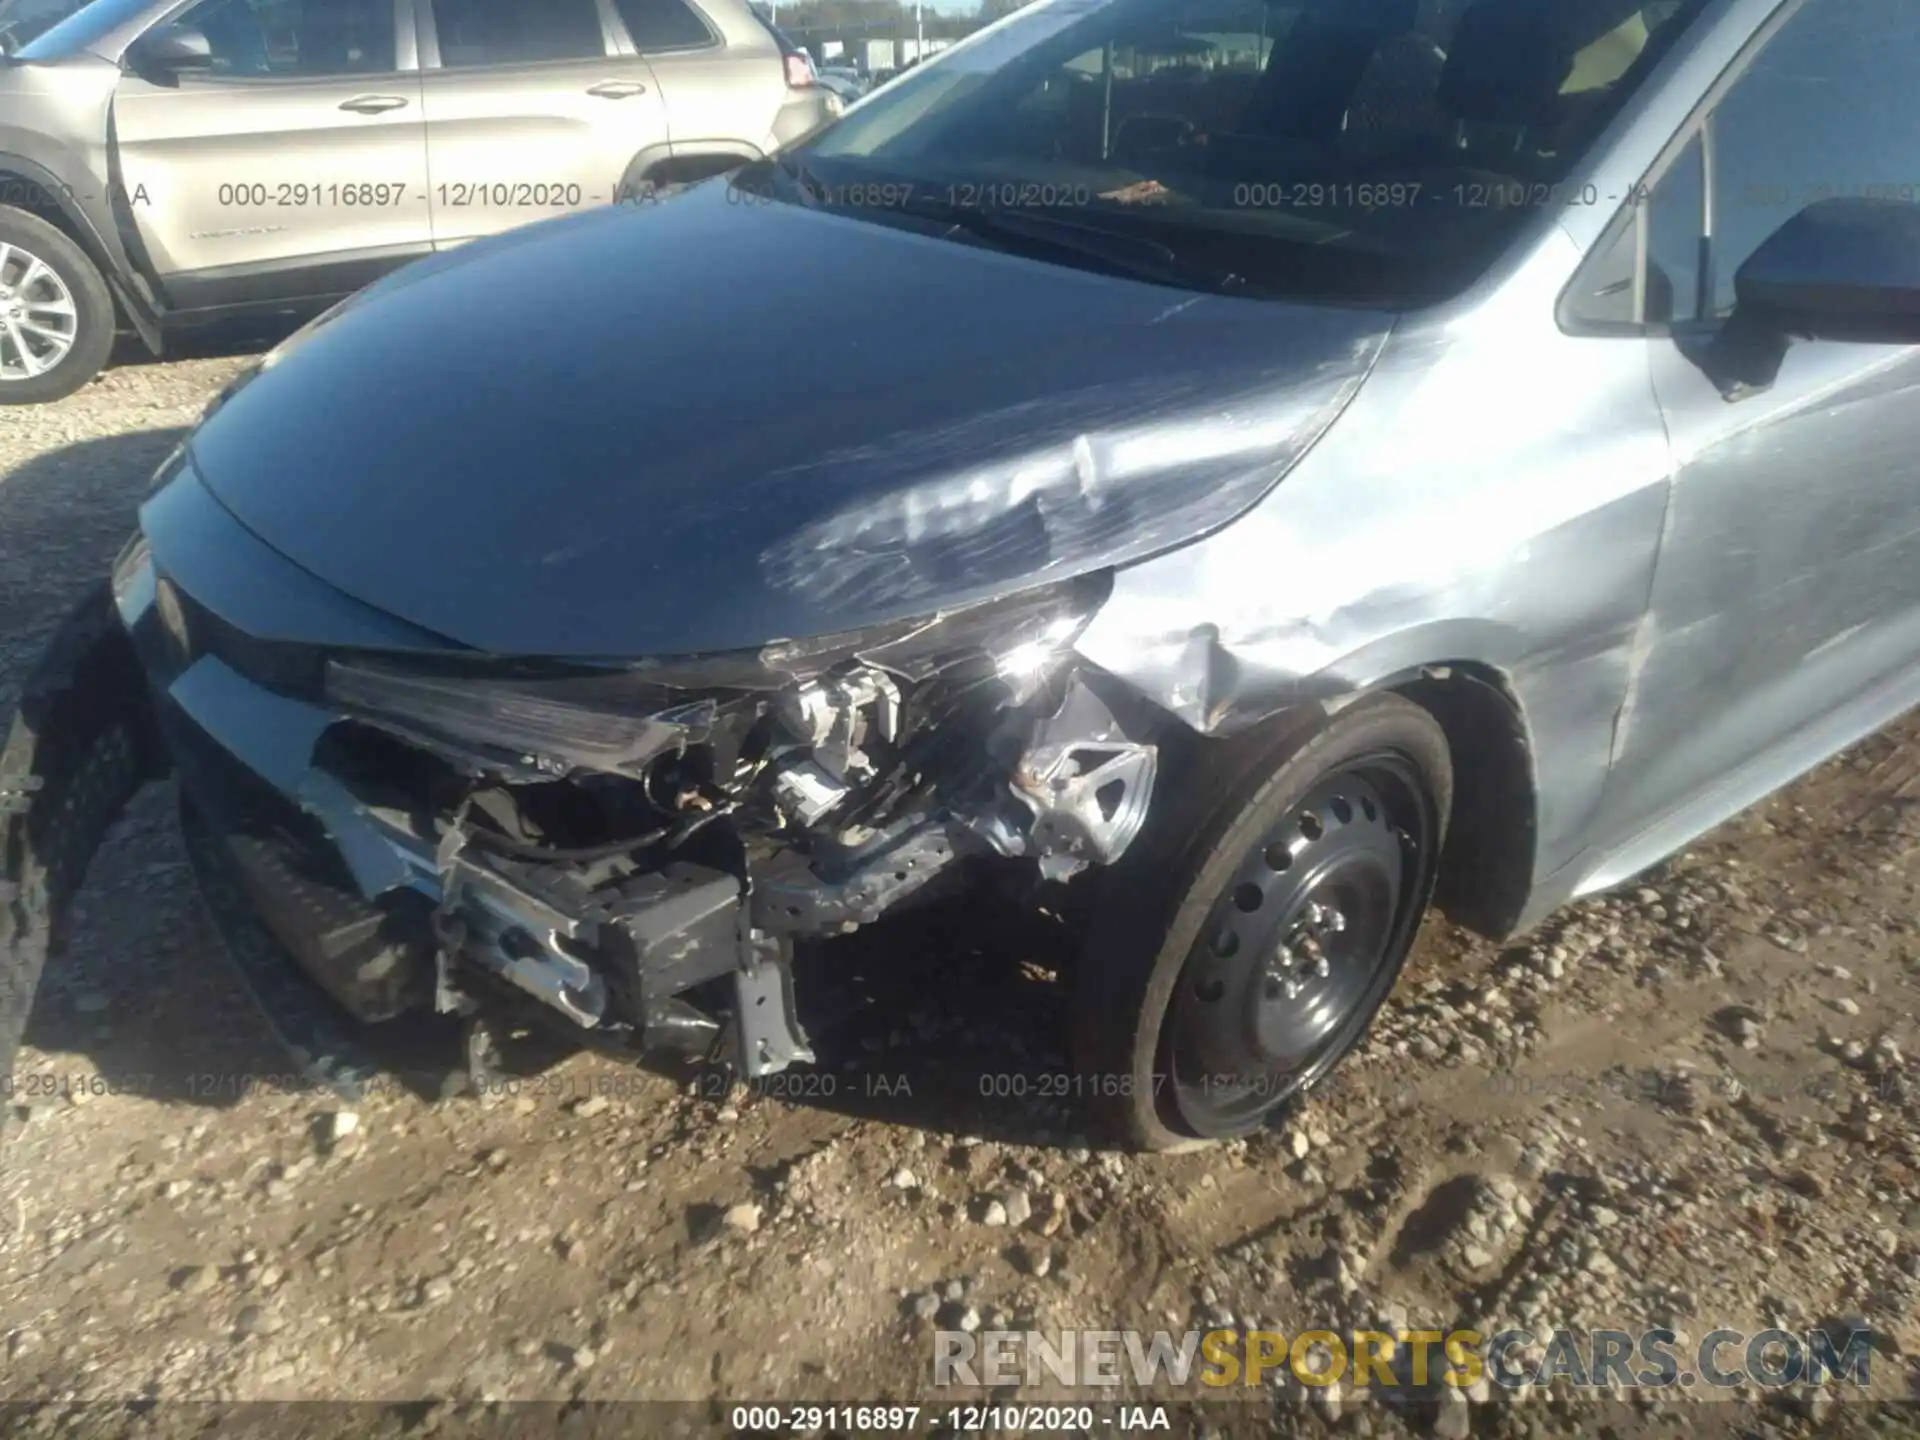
(81, 745)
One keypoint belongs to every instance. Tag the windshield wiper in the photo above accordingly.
(1031, 232)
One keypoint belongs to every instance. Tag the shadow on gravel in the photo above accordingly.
(211, 342)
(143, 989)
(63, 517)
(952, 1019)
(949, 1019)
(139, 989)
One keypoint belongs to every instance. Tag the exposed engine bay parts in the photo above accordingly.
(636, 850)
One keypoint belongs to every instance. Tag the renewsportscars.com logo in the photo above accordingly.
(1216, 1360)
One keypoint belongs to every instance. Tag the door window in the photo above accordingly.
(516, 32)
(1829, 109)
(296, 38)
(1674, 255)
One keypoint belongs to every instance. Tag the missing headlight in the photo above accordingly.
(598, 723)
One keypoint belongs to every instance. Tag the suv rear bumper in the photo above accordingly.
(803, 114)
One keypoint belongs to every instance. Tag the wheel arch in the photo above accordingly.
(1459, 670)
(685, 162)
(28, 186)
(1487, 867)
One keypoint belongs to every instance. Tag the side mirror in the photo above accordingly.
(172, 48)
(1840, 269)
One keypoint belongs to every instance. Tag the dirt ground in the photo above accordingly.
(1688, 1103)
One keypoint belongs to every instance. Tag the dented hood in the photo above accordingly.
(715, 422)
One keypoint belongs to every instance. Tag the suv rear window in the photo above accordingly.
(516, 32)
(663, 24)
(780, 37)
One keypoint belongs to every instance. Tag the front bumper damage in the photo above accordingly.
(370, 853)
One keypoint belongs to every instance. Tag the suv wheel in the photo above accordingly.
(1252, 934)
(56, 313)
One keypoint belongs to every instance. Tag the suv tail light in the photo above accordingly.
(799, 71)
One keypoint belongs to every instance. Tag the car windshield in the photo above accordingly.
(75, 27)
(1372, 151)
(24, 20)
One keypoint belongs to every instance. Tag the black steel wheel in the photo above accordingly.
(1300, 950)
(1261, 923)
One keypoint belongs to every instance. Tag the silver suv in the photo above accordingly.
(179, 160)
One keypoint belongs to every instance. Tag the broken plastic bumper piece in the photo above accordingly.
(374, 908)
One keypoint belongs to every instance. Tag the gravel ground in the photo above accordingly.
(1688, 1103)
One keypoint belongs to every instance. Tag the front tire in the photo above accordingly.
(1254, 931)
(56, 313)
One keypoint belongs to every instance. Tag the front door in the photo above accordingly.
(293, 166)
(1788, 586)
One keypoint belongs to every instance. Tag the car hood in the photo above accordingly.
(717, 421)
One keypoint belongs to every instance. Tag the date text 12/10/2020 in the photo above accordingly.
(947, 1419)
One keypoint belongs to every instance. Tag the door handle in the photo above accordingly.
(373, 104)
(617, 89)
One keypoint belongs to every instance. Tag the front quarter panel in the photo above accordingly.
(53, 131)
(1494, 496)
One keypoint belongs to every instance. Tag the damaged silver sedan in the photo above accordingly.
(1306, 458)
